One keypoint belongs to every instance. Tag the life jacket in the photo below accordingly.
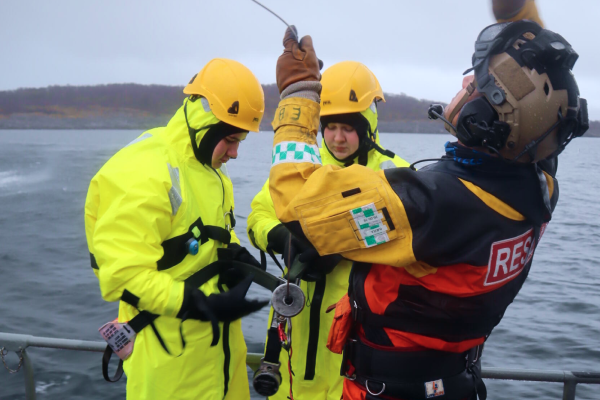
(418, 332)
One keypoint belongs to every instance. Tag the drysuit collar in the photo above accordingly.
(468, 156)
(204, 145)
(511, 183)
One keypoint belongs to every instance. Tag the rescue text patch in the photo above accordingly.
(509, 257)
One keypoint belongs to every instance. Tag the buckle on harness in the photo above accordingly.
(369, 390)
(354, 311)
(228, 226)
(473, 355)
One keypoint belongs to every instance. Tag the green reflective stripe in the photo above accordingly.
(295, 152)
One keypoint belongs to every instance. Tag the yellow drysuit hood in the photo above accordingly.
(204, 128)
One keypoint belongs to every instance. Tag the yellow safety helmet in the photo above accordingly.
(348, 87)
(233, 92)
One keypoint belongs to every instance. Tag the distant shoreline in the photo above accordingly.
(142, 107)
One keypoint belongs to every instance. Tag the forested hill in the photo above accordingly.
(133, 106)
(122, 106)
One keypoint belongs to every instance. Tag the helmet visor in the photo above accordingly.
(491, 32)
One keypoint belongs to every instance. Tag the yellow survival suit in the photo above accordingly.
(150, 192)
(316, 369)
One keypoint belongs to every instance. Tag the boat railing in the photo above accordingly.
(10, 342)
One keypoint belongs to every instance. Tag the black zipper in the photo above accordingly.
(313, 330)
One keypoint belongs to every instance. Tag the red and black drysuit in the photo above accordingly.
(417, 327)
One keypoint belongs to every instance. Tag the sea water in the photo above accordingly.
(47, 287)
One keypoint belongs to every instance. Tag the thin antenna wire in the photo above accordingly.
(282, 20)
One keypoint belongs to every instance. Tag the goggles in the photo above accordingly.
(496, 39)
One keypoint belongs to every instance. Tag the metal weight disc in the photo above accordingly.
(288, 305)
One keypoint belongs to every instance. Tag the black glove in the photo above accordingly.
(318, 266)
(232, 305)
(234, 252)
(278, 238)
(220, 307)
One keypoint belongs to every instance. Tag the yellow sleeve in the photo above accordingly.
(351, 211)
(234, 238)
(516, 10)
(262, 218)
(128, 215)
(400, 162)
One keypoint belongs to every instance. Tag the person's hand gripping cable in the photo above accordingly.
(298, 68)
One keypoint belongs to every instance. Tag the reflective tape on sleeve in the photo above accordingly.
(175, 191)
(295, 152)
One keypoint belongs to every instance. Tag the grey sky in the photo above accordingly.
(415, 47)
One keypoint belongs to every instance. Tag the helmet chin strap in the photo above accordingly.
(373, 145)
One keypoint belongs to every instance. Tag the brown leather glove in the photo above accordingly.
(506, 9)
(298, 62)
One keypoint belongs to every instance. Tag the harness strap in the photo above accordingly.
(175, 248)
(145, 318)
(405, 374)
(273, 347)
(272, 255)
(108, 352)
(215, 233)
(142, 320)
(459, 328)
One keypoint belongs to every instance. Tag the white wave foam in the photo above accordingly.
(8, 177)
(41, 387)
(13, 181)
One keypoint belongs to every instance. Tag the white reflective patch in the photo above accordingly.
(388, 164)
(224, 171)
(370, 225)
(175, 191)
(373, 107)
(295, 152)
(139, 139)
(205, 104)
